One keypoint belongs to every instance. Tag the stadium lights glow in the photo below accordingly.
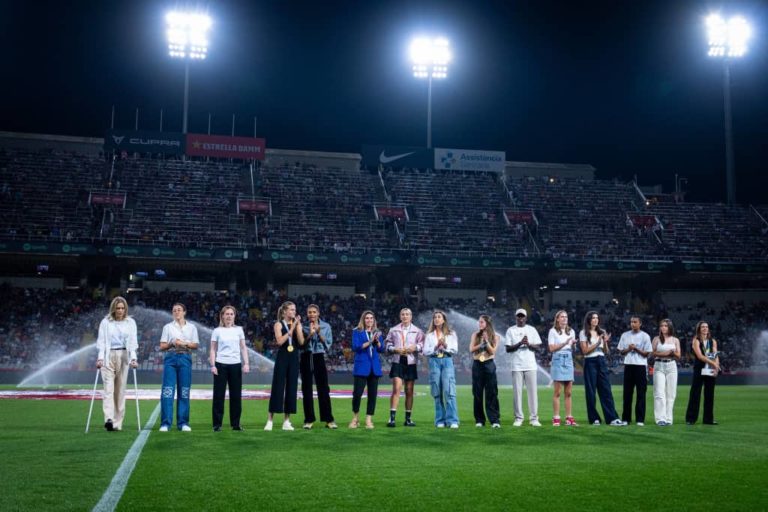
(727, 39)
(187, 34)
(430, 57)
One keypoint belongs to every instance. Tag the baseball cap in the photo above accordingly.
(521, 311)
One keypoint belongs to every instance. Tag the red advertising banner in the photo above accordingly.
(519, 217)
(113, 199)
(253, 206)
(222, 146)
(643, 221)
(396, 212)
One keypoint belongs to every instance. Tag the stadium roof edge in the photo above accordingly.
(52, 138)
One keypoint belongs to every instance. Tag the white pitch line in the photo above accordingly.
(114, 492)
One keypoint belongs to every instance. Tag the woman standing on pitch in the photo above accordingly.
(178, 339)
(285, 375)
(483, 346)
(666, 351)
(705, 370)
(404, 341)
(560, 340)
(117, 344)
(594, 345)
(367, 344)
(440, 345)
(229, 360)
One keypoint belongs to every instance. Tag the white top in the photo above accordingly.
(114, 334)
(522, 359)
(553, 338)
(641, 340)
(228, 344)
(669, 344)
(175, 331)
(594, 340)
(430, 342)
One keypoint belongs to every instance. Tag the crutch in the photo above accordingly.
(136, 391)
(93, 397)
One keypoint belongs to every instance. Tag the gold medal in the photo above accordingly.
(481, 358)
(290, 348)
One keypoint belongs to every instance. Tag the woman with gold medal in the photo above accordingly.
(285, 377)
(484, 385)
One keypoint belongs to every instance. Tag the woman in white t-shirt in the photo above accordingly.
(229, 360)
(666, 352)
(561, 339)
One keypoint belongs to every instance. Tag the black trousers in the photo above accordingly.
(285, 382)
(313, 365)
(635, 377)
(484, 383)
(694, 399)
(372, 381)
(232, 375)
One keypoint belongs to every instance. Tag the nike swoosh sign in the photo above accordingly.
(387, 159)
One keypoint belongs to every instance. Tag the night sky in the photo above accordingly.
(624, 86)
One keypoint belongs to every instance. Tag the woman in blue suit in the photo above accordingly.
(367, 344)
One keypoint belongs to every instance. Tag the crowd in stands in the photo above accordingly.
(193, 203)
(40, 325)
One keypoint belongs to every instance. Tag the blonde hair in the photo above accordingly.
(113, 305)
(554, 323)
(361, 323)
(221, 314)
(283, 308)
(445, 328)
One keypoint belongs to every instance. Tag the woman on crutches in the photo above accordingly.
(117, 344)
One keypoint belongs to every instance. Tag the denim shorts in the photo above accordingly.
(562, 366)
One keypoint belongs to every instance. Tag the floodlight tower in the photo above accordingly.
(187, 34)
(728, 41)
(430, 57)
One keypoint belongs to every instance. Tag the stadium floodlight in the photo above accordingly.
(430, 58)
(187, 34)
(728, 40)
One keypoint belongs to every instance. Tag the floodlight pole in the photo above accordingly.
(429, 112)
(730, 164)
(186, 95)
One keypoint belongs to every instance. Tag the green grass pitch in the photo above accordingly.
(48, 463)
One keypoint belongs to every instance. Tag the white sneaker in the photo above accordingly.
(596, 423)
(479, 425)
(518, 423)
(454, 425)
(164, 428)
(287, 425)
(495, 425)
(640, 424)
(618, 423)
(186, 428)
(440, 425)
(268, 426)
(535, 423)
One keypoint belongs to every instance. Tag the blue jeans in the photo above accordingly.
(442, 383)
(177, 375)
